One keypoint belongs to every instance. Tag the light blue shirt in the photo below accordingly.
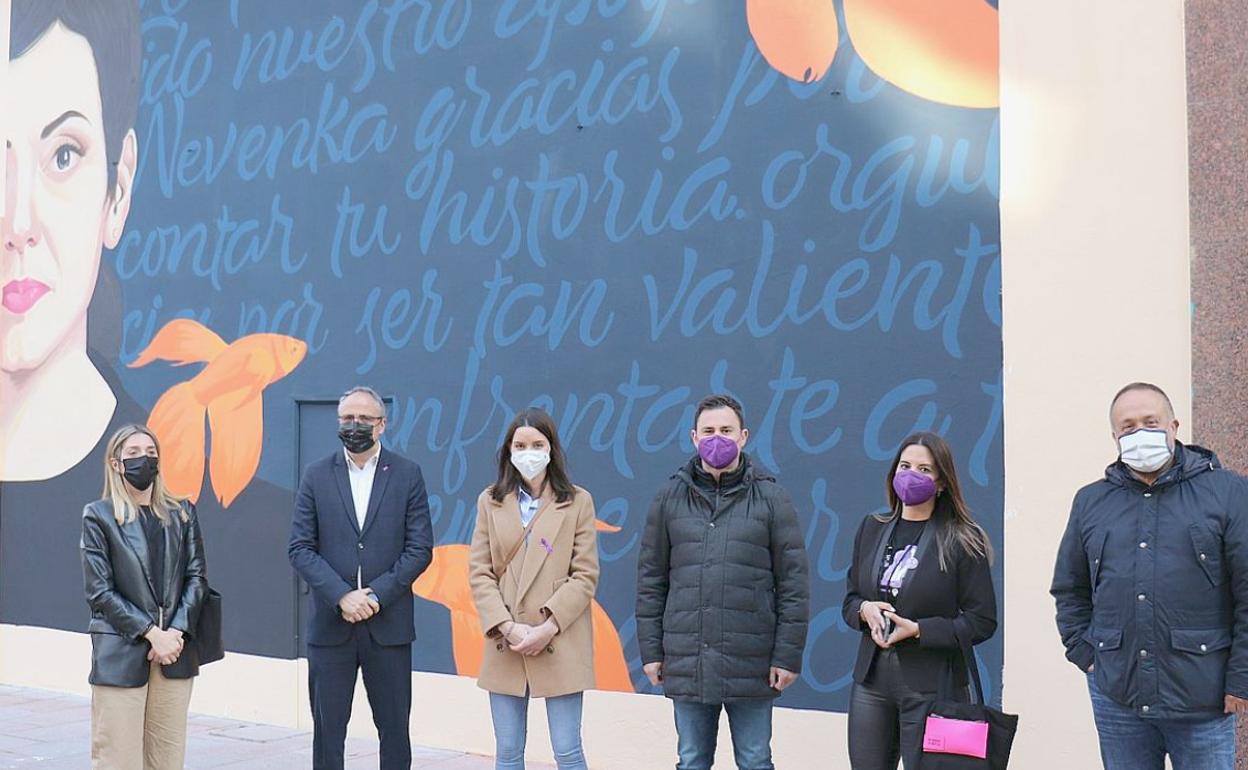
(528, 506)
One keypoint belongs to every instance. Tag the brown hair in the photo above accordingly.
(958, 528)
(509, 479)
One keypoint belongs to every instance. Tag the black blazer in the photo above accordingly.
(945, 604)
(125, 603)
(327, 545)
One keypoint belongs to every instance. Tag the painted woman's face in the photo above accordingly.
(58, 214)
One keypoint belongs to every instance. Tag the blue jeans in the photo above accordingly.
(697, 732)
(511, 720)
(1129, 742)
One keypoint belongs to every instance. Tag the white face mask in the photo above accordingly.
(1145, 450)
(530, 462)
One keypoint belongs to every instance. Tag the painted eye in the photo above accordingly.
(66, 157)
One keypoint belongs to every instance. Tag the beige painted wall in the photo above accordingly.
(1094, 215)
(1094, 211)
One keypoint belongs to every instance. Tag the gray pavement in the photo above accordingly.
(47, 730)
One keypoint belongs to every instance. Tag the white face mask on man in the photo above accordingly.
(1145, 450)
(530, 462)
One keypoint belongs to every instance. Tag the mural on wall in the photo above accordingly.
(606, 208)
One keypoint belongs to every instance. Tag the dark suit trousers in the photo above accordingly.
(332, 671)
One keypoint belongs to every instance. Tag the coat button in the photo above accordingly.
(712, 525)
(361, 546)
(1141, 597)
(1144, 709)
(1100, 644)
(1143, 653)
(1202, 557)
(1148, 494)
(1204, 648)
(1143, 544)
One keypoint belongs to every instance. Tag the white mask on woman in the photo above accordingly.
(530, 462)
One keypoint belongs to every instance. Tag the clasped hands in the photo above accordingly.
(874, 615)
(529, 640)
(358, 606)
(166, 645)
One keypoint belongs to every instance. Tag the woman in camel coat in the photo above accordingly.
(534, 569)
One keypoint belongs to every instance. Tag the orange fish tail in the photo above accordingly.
(237, 437)
(178, 422)
(610, 666)
(467, 642)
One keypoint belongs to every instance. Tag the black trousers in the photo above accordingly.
(887, 718)
(387, 680)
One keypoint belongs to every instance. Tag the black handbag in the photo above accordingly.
(1000, 726)
(208, 642)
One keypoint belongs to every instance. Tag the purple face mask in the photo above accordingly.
(718, 451)
(913, 488)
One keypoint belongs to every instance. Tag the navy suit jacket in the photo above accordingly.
(392, 549)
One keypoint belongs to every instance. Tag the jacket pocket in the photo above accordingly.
(1208, 552)
(1110, 663)
(1196, 671)
(1200, 641)
(1104, 640)
(556, 585)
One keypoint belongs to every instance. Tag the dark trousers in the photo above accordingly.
(332, 671)
(887, 718)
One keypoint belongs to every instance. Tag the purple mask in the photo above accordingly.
(913, 487)
(718, 451)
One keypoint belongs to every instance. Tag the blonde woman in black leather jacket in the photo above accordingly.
(144, 578)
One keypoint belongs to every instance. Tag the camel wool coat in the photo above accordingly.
(556, 576)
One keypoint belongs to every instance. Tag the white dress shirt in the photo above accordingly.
(361, 484)
(361, 491)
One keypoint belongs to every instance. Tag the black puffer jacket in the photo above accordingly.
(722, 585)
(1151, 585)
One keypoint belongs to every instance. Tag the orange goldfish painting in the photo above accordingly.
(946, 52)
(446, 582)
(228, 391)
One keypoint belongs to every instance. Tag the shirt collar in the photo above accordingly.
(369, 463)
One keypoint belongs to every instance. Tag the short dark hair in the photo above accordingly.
(111, 28)
(1125, 389)
(719, 401)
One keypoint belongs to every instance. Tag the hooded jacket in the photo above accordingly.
(1151, 585)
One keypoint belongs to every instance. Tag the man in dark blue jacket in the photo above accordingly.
(360, 535)
(1151, 586)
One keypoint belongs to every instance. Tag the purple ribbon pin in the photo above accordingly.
(549, 548)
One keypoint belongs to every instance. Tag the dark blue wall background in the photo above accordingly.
(606, 208)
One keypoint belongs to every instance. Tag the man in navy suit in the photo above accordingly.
(360, 536)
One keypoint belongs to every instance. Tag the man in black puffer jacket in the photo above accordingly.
(1151, 586)
(722, 593)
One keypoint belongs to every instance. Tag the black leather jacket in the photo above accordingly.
(124, 602)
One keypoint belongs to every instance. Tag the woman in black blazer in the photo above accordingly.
(144, 576)
(919, 583)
